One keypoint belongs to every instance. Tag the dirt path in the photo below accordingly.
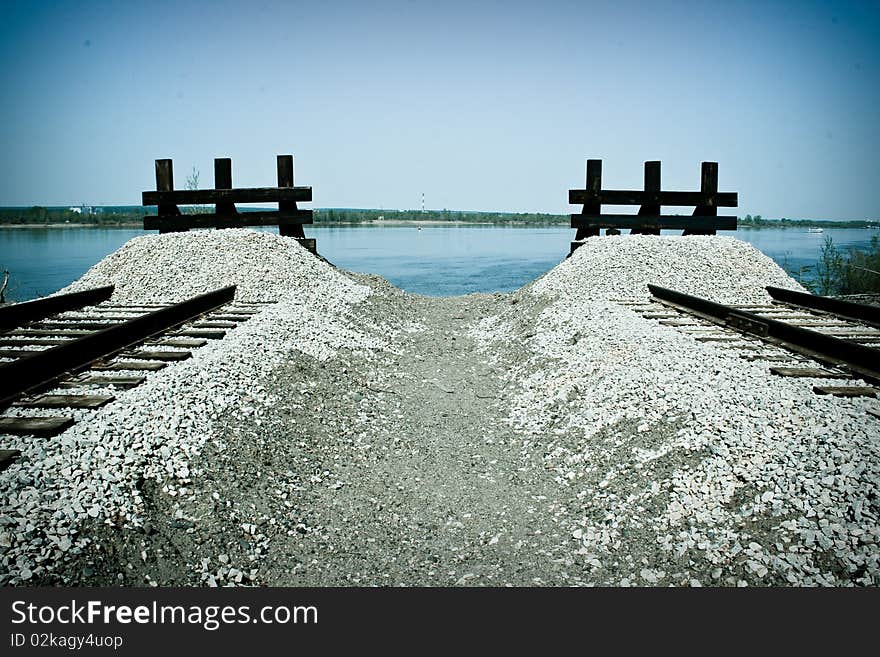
(430, 488)
(383, 470)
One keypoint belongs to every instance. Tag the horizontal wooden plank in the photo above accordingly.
(66, 401)
(202, 333)
(229, 318)
(214, 325)
(34, 426)
(48, 332)
(668, 221)
(103, 380)
(157, 355)
(104, 316)
(770, 358)
(132, 308)
(147, 365)
(8, 457)
(639, 197)
(242, 195)
(75, 324)
(181, 342)
(36, 342)
(267, 218)
(16, 353)
(808, 372)
(846, 391)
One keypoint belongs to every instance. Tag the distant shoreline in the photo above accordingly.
(441, 222)
(120, 225)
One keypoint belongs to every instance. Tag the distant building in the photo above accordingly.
(77, 210)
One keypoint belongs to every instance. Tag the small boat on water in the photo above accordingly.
(815, 230)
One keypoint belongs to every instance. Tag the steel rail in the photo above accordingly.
(859, 359)
(848, 309)
(16, 314)
(44, 367)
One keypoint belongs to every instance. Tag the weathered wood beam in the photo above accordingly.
(669, 222)
(8, 457)
(34, 426)
(652, 184)
(285, 181)
(243, 195)
(261, 218)
(223, 180)
(165, 185)
(709, 207)
(636, 197)
(66, 401)
(592, 206)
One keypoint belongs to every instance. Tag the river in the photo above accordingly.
(438, 260)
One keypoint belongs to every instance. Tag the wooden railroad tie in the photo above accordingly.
(809, 372)
(35, 426)
(180, 342)
(7, 457)
(103, 380)
(288, 217)
(649, 221)
(846, 391)
(66, 401)
(136, 365)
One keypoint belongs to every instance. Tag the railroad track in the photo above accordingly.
(804, 335)
(55, 351)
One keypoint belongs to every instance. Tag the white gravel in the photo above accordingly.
(154, 431)
(175, 266)
(691, 464)
(618, 267)
(734, 476)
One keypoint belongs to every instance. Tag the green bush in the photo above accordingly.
(856, 271)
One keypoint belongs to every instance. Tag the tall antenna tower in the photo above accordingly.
(423, 201)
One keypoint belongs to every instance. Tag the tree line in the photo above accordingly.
(854, 271)
(109, 215)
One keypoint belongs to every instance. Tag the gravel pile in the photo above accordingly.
(94, 471)
(355, 435)
(174, 266)
(619, 267)
(692, 464)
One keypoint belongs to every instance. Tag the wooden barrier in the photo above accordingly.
(649, 221)
(288, 217)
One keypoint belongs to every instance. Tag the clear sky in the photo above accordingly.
(480, 105)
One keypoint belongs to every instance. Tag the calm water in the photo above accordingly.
(439, 260)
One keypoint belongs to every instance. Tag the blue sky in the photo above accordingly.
(480, 105)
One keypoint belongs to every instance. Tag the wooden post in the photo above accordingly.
(285, 179)
(652, 184)
(223, 180)
(708, 187)
(594, 184)
(165, 183)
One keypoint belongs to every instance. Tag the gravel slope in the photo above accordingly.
(356, 435)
